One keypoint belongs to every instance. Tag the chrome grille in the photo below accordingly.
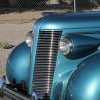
(45, 62)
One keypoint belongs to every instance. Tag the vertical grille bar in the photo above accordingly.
(45, 62)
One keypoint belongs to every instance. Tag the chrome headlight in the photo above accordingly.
(29, 38)
(65, 46)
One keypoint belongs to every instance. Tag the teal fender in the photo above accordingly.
(18, 64)
(84, 83)
(81, 84)
(59, 90)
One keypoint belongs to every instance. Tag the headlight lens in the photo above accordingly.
(65, 46)
(29, 38)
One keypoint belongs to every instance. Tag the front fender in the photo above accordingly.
(59, 88)
(84, 83)
(18, 64)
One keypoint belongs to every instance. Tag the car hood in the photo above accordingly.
(59, 21)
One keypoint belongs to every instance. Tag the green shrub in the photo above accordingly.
(65, 1)
(21, 3)
(86, 3)
(16, 3)
(4, 3)
(3, 44)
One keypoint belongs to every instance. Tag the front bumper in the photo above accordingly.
(14, 94)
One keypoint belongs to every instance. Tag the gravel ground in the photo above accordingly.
(13, 34)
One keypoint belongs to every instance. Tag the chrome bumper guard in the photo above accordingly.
(7, 91)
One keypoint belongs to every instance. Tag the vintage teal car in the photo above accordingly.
(60, 60)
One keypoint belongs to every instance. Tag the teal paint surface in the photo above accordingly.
(86, 24)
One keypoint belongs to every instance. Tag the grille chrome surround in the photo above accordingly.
(45, 62)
